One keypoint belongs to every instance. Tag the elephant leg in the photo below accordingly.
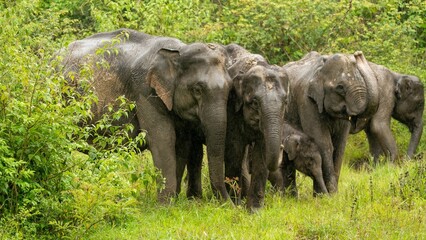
(183, 149)
(316, 188)
(320, 131)
(382, 132)
(259, 176)
(288, 170)
(245, 172)
(234, 156)
(339, 140)
(165, 160)
(161, 139)
(194, 171)
(373, 145)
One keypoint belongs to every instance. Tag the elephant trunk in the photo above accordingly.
(319, 184)
(416, 133)
(370, 83)
(271, 126)
(214, 126)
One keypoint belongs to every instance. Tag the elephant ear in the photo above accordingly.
(162, 74)
(403, 87)
(237, 72)
(316, 83)
(238, 86)
(292, 146)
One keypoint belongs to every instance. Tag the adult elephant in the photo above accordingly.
(326, 92)
(401, 97)
(256, 109)
(174, 85)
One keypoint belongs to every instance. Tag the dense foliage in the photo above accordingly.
(53, 184)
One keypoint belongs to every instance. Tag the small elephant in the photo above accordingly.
(326, 93)
(301, 153)
(256, 109)
(401, 97)
(177, 88)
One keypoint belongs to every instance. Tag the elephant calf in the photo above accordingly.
(256, 107)
(301, 153)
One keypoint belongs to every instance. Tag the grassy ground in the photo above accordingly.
(386, 202)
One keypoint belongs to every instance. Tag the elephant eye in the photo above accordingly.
(254, 104)
(197, 89)
(340, 89)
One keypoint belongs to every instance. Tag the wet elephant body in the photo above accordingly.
(173, 84)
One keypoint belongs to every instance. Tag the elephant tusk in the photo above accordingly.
(282, 146)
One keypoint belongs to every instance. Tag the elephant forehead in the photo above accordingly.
(217, 82)
(264, 74)
(338, 63)
(204, 53)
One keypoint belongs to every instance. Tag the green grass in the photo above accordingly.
(370, 204)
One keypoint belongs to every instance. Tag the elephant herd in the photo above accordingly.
(258, 121)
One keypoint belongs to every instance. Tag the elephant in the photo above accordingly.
(326, 94)
(300, 152)
(177, 88)
(401, 97)
(256, 107)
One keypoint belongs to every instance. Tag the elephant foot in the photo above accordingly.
(194, 194)
(291, 191)
(332, 186)
(236, 200)
(254, 210)
(319, 194)
(254, 207)
(165, 198)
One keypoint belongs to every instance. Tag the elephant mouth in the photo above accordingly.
(254, 124)
(340, 115)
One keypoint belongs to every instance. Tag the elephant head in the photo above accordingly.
(306, 156)
(409, 107)
(193, 82)
(262, 98)
(344, 86)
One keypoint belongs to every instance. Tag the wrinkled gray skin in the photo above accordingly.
(326, 92)
(402, 97)
(256, 109)
(177, 88)
(301, 153)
